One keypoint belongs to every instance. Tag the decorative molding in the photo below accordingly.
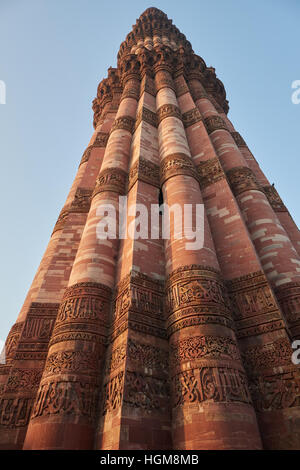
(145, 114)
(177, 164)
(168, 110)
(267, 356)
(191, 117)
(288, 296)
(111, 179)
(242, 179)
(125, 122)
(146, 171)
(209, 172)
(214, 123)
(100, 140)
(238, 139)
(274, 199)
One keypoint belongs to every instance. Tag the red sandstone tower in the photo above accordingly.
(142, 344)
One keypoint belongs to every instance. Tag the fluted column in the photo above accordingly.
(208, 383)
(76, 352)
(279, 258)
(258, 318)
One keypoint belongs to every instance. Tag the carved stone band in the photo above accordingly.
(144, 170)
(242, 179)
(274, 199)
(214, 123)
(81, 204)
(100, 141)
(124, 122)
(112, 179)
(146, 115)
(191, 117)
(209, 172)
(177, 164)
(238, 139)
(168, 110)
(288, 295)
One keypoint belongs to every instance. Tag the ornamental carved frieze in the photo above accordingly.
(191, 117)
(209, 172)
(288, 296)
(75, 333)
(204, 347)
(164, 80)
(242, 179)
(267, 356)
(146, 392)
(196, 286)
(23, 379)
(147, 356)
(63, 397)
(116, 358)
(214, 123)
(61, 221)
(12, 341)
(254, 306)
(148, 86)
(86, 302)
(146, 115)
(63, 362)
(15, 412)
(86, 155)
(100, 139)
(181, 88)
(37, 330)
(274, 199)
(238, 139)
(81, 201)
(113, 393)
(198, 94)
(125, 123)
(141, 294)
(131, 91)
(217, 384)
(168, 110)
(146, 171)
(111, 179)
(177, 164)
(276, 392)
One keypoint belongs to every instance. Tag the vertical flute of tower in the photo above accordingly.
(203, 317)
(278, 206)
(77, 345)
(278, 256)
(258, 319)
(137, 354)
(26, 354)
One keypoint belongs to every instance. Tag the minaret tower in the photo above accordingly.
(140, 343)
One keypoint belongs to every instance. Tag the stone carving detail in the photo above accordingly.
(62, 218)
(116, 358)
(254, 306)
(198, 347)
(12, 341)
(164, 80)
(23, 379)
(113, 393)
(15, 412)
(177, 164)
(181, 89)
(242, 179)
(288, 295)
(148, 86)
(214, 123)
(145, 114)
(274, 199)
(66, 397)
(111, 179)
(218, 384)
(198, 94)
(238, 139)
(147, 392)
(275, 392)
(267, 356)
(86, 155)
(144, 170)
(81, 201)
(37, 331)
(101, 139)
(125, 122)
(147, 355)
(86, 301)
(63, 362)
(209, 172)
(191, 117)
(168, 110)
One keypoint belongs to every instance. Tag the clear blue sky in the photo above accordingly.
(53, 53)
